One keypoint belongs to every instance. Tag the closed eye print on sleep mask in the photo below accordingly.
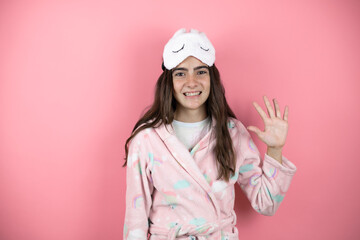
(179, 49)
(184, 44)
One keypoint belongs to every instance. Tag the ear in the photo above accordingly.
(194, 31)
(179, 32)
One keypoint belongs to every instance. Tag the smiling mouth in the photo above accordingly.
(189, 94)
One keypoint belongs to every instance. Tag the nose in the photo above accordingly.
(191, 80)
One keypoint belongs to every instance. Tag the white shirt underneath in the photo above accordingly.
(191, 133)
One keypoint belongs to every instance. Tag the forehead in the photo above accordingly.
(191, 61)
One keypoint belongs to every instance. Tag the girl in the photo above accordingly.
(188, 150)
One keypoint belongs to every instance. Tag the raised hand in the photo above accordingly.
(276, 127)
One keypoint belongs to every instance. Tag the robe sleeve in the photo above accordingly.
(264, 183)
(139, 188)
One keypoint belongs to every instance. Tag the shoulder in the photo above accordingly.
(143, 136)
(139, 147)
(152, 137)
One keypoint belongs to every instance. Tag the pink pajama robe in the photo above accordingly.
(174, 194)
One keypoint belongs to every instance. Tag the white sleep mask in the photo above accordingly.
(184, 44)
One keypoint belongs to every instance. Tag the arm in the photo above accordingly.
(265, 186)
(138, 191)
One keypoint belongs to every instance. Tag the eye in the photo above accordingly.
(179, 74)
(202, 72)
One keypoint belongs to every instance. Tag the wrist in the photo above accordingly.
(279, 149)
(275, 153)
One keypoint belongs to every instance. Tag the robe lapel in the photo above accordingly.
(185, 158)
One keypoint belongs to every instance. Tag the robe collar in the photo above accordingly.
(185, 158)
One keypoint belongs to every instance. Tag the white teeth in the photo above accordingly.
(192, 94)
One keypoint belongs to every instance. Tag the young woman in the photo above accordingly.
(188, 150)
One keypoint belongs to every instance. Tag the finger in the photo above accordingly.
(277, 108)
(269, 107)
(260, 111)
(286, 113)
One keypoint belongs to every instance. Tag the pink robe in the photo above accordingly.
(174, 194)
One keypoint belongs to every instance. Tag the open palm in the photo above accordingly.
(276, 127)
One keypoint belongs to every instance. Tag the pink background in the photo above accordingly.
(76, 75)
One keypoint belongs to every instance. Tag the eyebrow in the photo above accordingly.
(196, 68)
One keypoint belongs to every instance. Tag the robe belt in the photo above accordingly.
(200, 232)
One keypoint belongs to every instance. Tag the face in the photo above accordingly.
(191, 80)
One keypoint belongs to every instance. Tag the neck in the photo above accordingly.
(186, 115)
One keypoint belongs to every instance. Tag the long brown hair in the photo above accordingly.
(162, 112)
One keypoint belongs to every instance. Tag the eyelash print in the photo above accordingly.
(184, 46)
(204, 49)
(179, 49)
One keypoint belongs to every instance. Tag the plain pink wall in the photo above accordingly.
(76, 75)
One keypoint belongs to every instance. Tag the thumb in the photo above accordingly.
(254, 129)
